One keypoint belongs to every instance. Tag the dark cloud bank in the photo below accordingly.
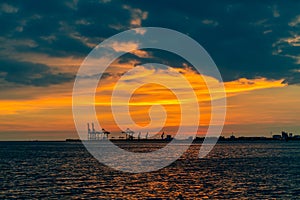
(244, 39)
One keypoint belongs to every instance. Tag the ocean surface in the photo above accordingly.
(233, 170)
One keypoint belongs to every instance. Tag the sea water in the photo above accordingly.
(233, 170)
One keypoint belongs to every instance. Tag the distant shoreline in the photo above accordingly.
(196, 141)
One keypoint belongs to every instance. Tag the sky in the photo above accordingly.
(254, 44)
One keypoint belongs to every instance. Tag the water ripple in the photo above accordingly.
(231, 171)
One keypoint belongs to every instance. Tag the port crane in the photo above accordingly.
(97, 135)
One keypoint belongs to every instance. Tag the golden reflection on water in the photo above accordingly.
(231, 170)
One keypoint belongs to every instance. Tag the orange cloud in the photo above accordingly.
(50, 109)
(152, 94)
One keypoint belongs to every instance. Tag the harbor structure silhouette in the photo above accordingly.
(97, 135)
(130, 136)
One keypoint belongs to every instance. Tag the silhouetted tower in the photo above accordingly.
(93, 128)
(93, 134)
(162, 135)
(89, 131)
(284, 135)
(147, 135)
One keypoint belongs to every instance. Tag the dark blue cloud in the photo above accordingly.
(245, 39)
(239, 36)
(26, 73)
